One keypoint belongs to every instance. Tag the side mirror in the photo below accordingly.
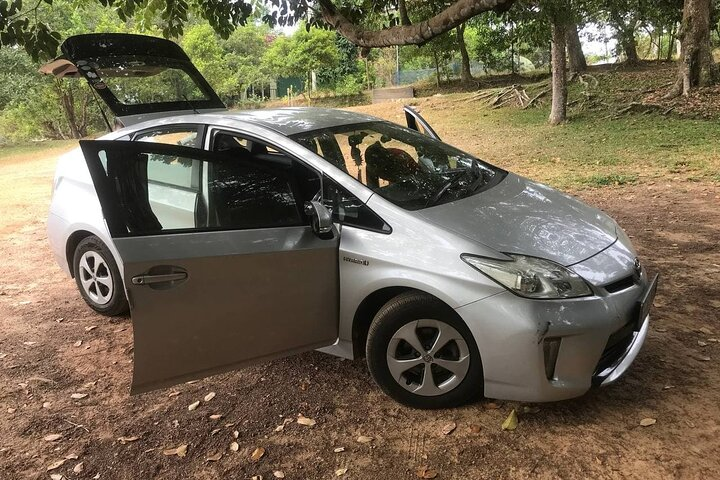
(322, 223)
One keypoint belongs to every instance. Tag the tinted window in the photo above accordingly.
(224, 194)
(349, 210)
(245, 196)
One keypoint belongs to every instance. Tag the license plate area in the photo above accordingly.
(646, 302)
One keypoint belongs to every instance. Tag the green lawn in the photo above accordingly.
(35, 148)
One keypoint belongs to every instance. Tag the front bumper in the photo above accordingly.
(617, 369)
(510, 332)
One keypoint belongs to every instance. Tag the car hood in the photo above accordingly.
(524, 217)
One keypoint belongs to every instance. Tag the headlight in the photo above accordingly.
(532, 277)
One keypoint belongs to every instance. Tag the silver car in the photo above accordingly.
(240, 237)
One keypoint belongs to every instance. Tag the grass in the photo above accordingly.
(27, 150)
(599, 152)
(596, 148)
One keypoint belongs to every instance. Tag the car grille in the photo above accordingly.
(620, 285)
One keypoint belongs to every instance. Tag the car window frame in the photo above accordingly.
(114, 218)
(213, 130)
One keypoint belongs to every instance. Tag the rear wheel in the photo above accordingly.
(422, 354)
(98, 277)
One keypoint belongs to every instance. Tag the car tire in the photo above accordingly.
(401, 370)
(98, 277)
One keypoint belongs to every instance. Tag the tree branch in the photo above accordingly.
(416, 34)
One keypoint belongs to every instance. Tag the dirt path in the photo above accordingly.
(52, 346)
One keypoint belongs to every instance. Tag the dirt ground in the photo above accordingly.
(52, 346)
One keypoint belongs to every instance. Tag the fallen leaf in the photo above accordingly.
(340, 472)
(78, 343)
(78, 396)
(278, 474)
(425, 472)
(71, 456)
(364, 439)
(193, 406)
(173, 394)
(56, 476)
(511, 422)
(257, 454)
(180, 451)
(209, 396)
(234, 446)
(705, 330)
(339, 449)
(52, 437)
(79, 467)
(305, 421)
(215, 431)
(214, 458)
(646, 422)
(449, 428)
(56, 464)
(124, 440)
(474, 428)
(215, 416)
(491, 406)
(90, 328)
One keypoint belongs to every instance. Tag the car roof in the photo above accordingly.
(292, 120)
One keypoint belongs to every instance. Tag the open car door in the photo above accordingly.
(242, 279)
(138, 77)
(416, 122)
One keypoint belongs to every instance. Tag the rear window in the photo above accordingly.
(135, 80)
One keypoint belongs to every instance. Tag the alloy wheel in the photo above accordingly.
(428, 357)
(95, 277)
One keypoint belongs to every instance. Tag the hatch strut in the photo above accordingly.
(102, 112)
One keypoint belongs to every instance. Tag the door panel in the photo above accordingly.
(214, 297)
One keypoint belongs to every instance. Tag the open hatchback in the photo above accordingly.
(138, 77)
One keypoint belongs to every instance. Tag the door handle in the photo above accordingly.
(161, 278)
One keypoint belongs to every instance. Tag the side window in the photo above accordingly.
(349, 210)
(305, 179)
(231, 194)
(168, 171)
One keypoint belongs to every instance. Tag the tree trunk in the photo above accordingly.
(68, 105)
(696, 65)
(558, 113)
(437, 68)
(629, 46)
(417, 34)
(465, 73)
(671, 45)
(402, 9)
(576, 57)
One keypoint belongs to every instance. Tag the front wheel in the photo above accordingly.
(422, 354)
(98, 278)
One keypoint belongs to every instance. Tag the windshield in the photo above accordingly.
(409, 169)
